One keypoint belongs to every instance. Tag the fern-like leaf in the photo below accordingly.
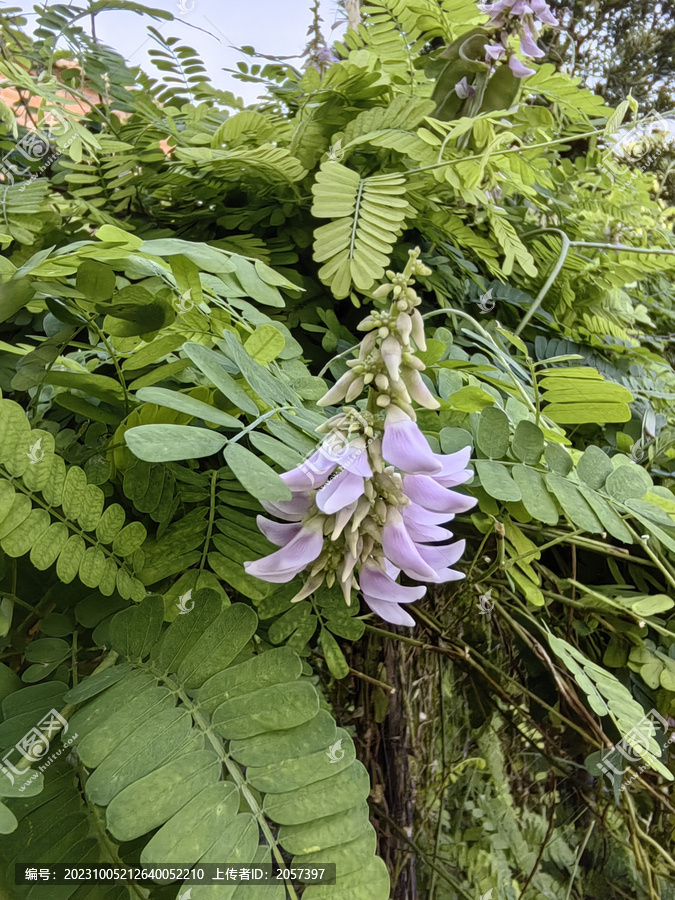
(368, 215)
(204, 752)
(49, 510)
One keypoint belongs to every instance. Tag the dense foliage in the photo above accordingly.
(181, 282)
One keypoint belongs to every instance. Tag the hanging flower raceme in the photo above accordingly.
(372, 501)
(520, 17)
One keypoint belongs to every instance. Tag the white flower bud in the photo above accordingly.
(418, 389)
(404, 326)
(418, 330)
(338, 391)
(391, 351)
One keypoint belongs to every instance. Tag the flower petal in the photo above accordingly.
(357, 461)
(392, 571)
(376, 584)
(283, 565)
(428, 493)
(276, 532)
(389, 612)
(413, 512)
(494, 51)
(452, 463)
(391, 354)
(292, 510)
(454, 480)
(541, 10)
(405, 447)
(518, 69)
(311, 473)
(442, 556)
(528, 45)
(418, 389)
(445, 575)
(340, 491)
(399, 548)
(424, 534)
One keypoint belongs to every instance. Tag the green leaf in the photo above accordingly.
(528, 442)
(265, 344)
(493, 432)
(607, 696)
(496, 480)
(273, 708)
(261, 481)
(609, 518)
(558, 459)
(470, 399)
(628, 482)
(653, 605)
(573, 504)
(162, 443)
(269, 388)
(275, 450)
(216, 648)
(301, 805)
(186, 404)
(8, 821)
(212, 365)
(594, 467)
(95, 281)
(335, 660)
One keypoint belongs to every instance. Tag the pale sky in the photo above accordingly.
(212, 28)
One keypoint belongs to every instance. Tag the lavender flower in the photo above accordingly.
(464, 90)
(519, 69)
(283, 565)
(524, 18)
(378, 507)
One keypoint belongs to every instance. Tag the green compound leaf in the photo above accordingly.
(607, 696)
(33, 475)
(368, 214)
(164, 777)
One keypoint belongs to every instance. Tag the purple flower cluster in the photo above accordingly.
(410, 485)
(523, 17)
(377, 508)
